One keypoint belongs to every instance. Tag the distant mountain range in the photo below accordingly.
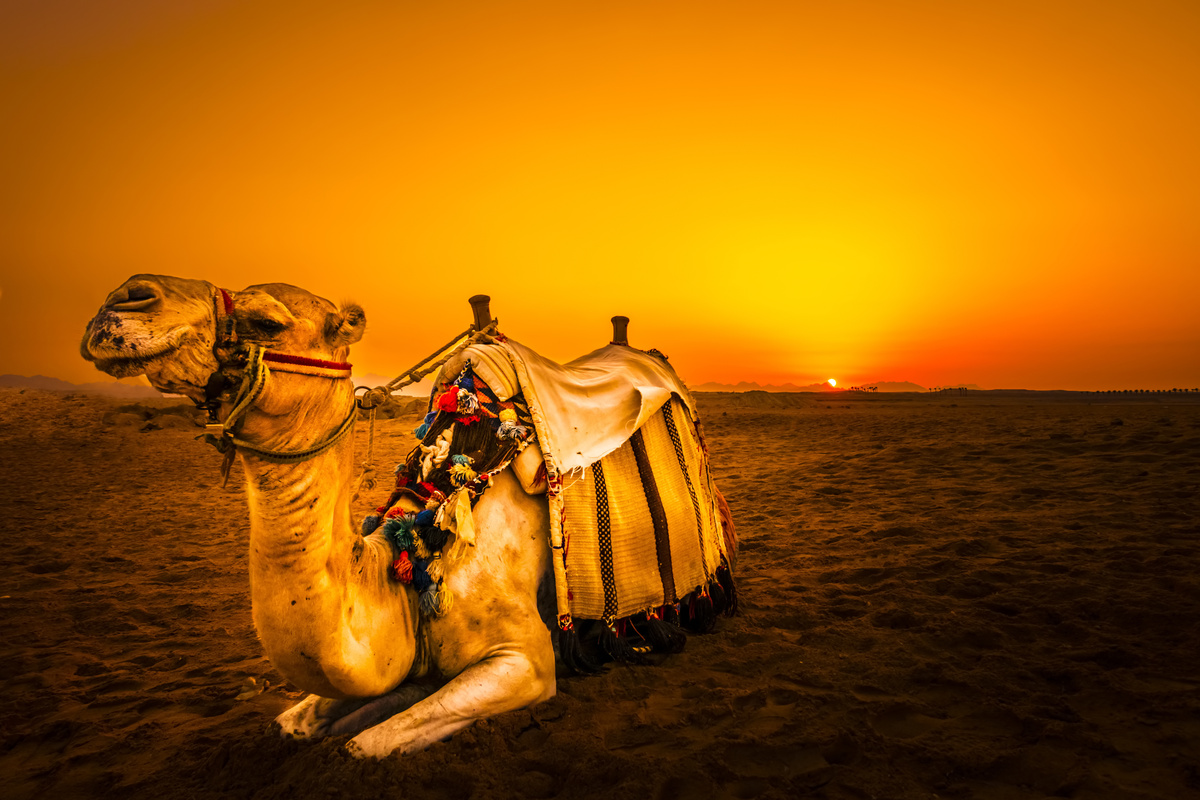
(48, 384)
(744, 386)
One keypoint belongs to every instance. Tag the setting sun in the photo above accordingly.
(832, 382)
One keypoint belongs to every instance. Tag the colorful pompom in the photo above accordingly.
(461, 475)
(436, 601)
(448, 400)
(511, 430)
(402, 569)
(420, 550)
(434, 568)
(434, 538)
(420, 578)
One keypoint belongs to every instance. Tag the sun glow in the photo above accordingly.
(832, 382)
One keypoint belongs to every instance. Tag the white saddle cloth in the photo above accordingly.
(585, 409)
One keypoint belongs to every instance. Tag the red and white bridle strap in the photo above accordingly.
(300, 365)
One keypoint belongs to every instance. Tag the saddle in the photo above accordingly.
(637, 525)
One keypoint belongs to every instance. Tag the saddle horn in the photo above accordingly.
(620, 330)
(480, 305)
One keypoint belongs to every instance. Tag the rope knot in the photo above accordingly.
(374, 398)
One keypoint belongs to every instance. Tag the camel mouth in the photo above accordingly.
(123, 350)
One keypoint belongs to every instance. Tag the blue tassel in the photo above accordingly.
(425, 518)
(421, 580)
(423, 428)
(370, 523)
(465, 381)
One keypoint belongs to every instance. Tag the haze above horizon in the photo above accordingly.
(773, 192)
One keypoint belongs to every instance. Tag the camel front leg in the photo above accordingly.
(503, 682)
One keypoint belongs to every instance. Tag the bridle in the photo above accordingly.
(258, 366)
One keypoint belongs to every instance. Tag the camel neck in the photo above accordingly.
(328, 615)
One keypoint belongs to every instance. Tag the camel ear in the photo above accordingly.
(346, 327)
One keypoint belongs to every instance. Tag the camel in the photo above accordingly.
(330, 619)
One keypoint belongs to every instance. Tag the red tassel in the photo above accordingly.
(402, 568)
(448, 401)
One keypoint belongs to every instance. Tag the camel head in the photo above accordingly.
(167, 329)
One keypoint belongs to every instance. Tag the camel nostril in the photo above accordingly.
(135, 297)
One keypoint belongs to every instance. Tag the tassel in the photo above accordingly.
(717, 594)
(664, 637)
(402, 569)
(435, 538)
(420, 550)
(369, 524)
(425, 518)
(399, 530)
(422, 430)
(670, 614)
(436, 601)
(618, 648)
(461, 475)
(448, 400)
(434, 568)
(570, 648)
(427, 604)
(700, 617)
(420, 578)
(460, 472)
(468, 403)
(725, 578)
(513, 431)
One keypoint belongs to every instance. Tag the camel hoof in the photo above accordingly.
(314, 716)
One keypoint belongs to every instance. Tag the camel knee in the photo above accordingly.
(538, 681)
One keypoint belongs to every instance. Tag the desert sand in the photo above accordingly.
(990, 596)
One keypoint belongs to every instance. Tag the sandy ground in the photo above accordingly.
(992, 596)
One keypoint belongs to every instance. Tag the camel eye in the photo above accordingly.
(267, 325)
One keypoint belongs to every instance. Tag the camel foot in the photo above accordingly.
(315, 717)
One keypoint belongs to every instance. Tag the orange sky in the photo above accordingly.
(942, 192)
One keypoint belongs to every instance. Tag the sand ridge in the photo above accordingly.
(990, 596)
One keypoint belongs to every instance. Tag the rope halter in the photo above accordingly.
(260, 363)
(256, 375)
